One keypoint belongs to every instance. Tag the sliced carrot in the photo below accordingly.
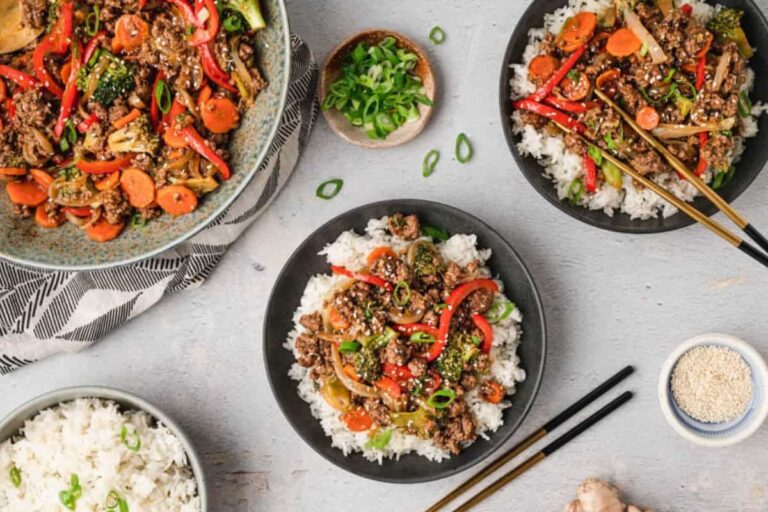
(66, 69)
(130, 116)
(380, 252)
(42, 178)
(623, 43)
(203, 97)
(493, 392)
(542, 67)
(577, 31)
(647, 117)
(139, 187)
(176, 199)
(130, 32)
(44, 220)
(350, 372)
(357, 420)
(337, 321)
(606, 81)
(12, 171)
(172, 136)
(575, 86)
(25, 193)
(219, 115)
(103, 231)
(110, 182)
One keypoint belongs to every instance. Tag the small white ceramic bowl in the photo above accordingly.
(11, 424)
(725, 433)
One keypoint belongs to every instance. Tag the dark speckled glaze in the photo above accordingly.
(752, 161)
(305, 262)
(67, 247)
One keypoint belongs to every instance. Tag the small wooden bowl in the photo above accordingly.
(332, 70)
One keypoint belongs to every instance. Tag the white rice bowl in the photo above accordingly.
(350, 250)
(562, 166)
(82, 437)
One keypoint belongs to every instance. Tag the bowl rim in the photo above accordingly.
(204, 223)
(578, 212)
(70, 393)
(746, 351)
(391, 203)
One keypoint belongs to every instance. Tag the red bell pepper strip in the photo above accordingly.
(543, 91)
(482, 324)
(60, 37)
(574, 107)
(20, 78)
(10, 107)
(700, 69)
(38, 61)
(434, 382)
(701, 167)
(82, 211)
(69, 98)
(687, 9)
(366, 278)
(550, 113)
(104, 166)
(212, 70)
(186, 11)
(154, 106)
(206, 33)
(414, 328)
(453, 302)
(389, 386)
(142, 4)
(86, 123)
(90, 48)
(399, 373)
(590, 173)
(197, 143)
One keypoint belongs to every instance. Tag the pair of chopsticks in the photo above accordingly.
(534, 438)
(683, 206)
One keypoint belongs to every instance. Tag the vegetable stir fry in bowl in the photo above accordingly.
(122, 117)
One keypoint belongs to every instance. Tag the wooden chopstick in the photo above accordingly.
(697, 182)
(546, 451)
(683, 206)
(534, 437)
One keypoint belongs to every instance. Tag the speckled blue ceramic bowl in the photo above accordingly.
(721, 433)
(67, 248)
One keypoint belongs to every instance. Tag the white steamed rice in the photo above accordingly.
(82, 438)
(563, 166)
(350, 250)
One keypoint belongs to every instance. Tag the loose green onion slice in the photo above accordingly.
(92, 21)
(476, 339)
(435, 233)
(439, 307)
(596, 155)
(500, 311)
(347, 347)
(437, 35)
(575, 191)
(745, 105)
(644, 50)
(335, 187)
(94, 58)
(134, 443)
(463, 149)
(163, 96)
(380, 440)
(115, 502)
(573, 75)
(430, 161)
(723, 178)
(233, 23)
(15, 476)
(422, 337)
(402, 293)
(137, 221)
(442, 398)
(188, 30)
(69, 137)
(70, 496)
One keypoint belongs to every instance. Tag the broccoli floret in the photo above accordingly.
(726, 25)
(451, 362)
(249, 9)
(367, 364)
(116, 80)
(136, 137)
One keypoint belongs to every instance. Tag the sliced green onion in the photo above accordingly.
(92, 21)
(380, 440)
(116, 503)
(422, 337)
(233, 23)
(575, 191)
(722, 178)
(163, 96)
(435, 233)
(442, 398)
(402, 293)
(69, 137)
(500, 311)
(138, 221)
(94, 58)
(573, 75)
(609, 141)
(15, 476)
(134, 444)
(437, 35)
(347, 347)
(745, 105)
(188, 30)
(439, 307)
(430, 161)
(596, 155)
(644, 50)
(335, 187)
(476, 339)
(670, 75)
(463, 149)
(70, 496)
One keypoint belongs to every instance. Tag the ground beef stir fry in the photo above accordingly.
(679, 78)
(399, 344)
(122, 111)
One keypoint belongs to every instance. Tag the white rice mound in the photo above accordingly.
(350, 250)
(563, 166)
(82, 438)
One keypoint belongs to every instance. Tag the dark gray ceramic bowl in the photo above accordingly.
(305, 262)
(752, 161)
(68, 248)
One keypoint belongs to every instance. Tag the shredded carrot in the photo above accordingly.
(12, 171)
(110, 182)
(129, 117)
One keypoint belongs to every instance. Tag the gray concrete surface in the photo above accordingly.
(611, 299)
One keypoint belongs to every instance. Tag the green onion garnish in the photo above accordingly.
(575, 191)
(644, 50)
(475, 339)
(138, 221)
(94, 58)
(435, 233)
(500, 311)
(596, 155)
(442, 398)
(69, 137)
(439, 307)
(573, 75)
(463, 149)
(134, 444)
(163, 96)
(437, 35)
(92, 21)
(188, 30)
(70, 496)
(722, 178)
(115, 502)
(380, 440)
(745, 105)
(233, 23)
(422, 337)
(430, 161)
(402, 293)
(347, 347)
(335, 185)
(15, 476)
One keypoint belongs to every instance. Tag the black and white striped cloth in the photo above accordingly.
(44, 312)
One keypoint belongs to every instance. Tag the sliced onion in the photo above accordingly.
(676, 131)
(241, 71)
(60, 184)
(349, 383)
(135, 101)
(665, 6)
(95, 216)
(186, 99)
(74, 219)
(635, 25)
(406, 317)
(341, 287)
(722, 71)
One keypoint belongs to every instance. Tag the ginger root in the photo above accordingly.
(595, 495)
